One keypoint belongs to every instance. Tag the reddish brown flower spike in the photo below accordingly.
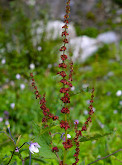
(64, 124)
(65, 110)
(65, 26)
(55, 117)
(62, 73)
(63, 48)
(66, 21)
(84, 128)
(55, 149)
(31, 74)
(65, 33)
(68, 2)
(65, 41)
(66, 16)
(62, 65)
(63, 57)
(67, 144)
(64, 90)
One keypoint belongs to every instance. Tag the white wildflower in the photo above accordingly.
(3, 61)
(39, 48)
(18, 76)
(22, 86)
(120, 102)
(119, 93)
(32, 66)
(68, 136)
(12, 105)
(115, 111)
(72, 88)
(34, 148)
(85, 112)
(1, 119)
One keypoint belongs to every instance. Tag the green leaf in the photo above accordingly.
(44, 140)
(39, 159)
(18, 140)
(94, 137)
(45, 150)
(12, 144)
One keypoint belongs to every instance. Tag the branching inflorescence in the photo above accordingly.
(66, 85)
(45, 110)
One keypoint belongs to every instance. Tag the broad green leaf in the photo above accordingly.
(45, 150)
(94, 137)
(44, 140)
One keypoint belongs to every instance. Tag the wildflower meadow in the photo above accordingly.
(59, 104)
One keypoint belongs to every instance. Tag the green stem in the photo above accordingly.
(65, 153)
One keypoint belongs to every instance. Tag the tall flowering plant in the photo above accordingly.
(66, 81)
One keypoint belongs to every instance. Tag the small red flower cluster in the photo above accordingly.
(55, 149)
(63, 57)
(71, 71)
(45, 110)
(64, 90)
(62, 73)
(67, 144)
(66, 98)
(35, 87)
(65, 110)
(62, 65)
(64, 124)
(84, 128)
(77, 134)
(65, 82)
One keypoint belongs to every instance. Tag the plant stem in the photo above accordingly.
(22, 145)
(57, 156)
(11, 156)
(105, 157)
(65, 153)
(30, 159)
(23, 162)
(11, 135)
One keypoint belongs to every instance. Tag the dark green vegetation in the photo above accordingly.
(102, 71)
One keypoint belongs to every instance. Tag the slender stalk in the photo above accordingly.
(105, 157)
(11, 135)
(23, 162)
(22, 145)
(11, 157)
(65, 154)
(57, 156)
(30, 158)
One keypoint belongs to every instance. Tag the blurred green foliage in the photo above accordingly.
(90, 31)
(102, 71)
